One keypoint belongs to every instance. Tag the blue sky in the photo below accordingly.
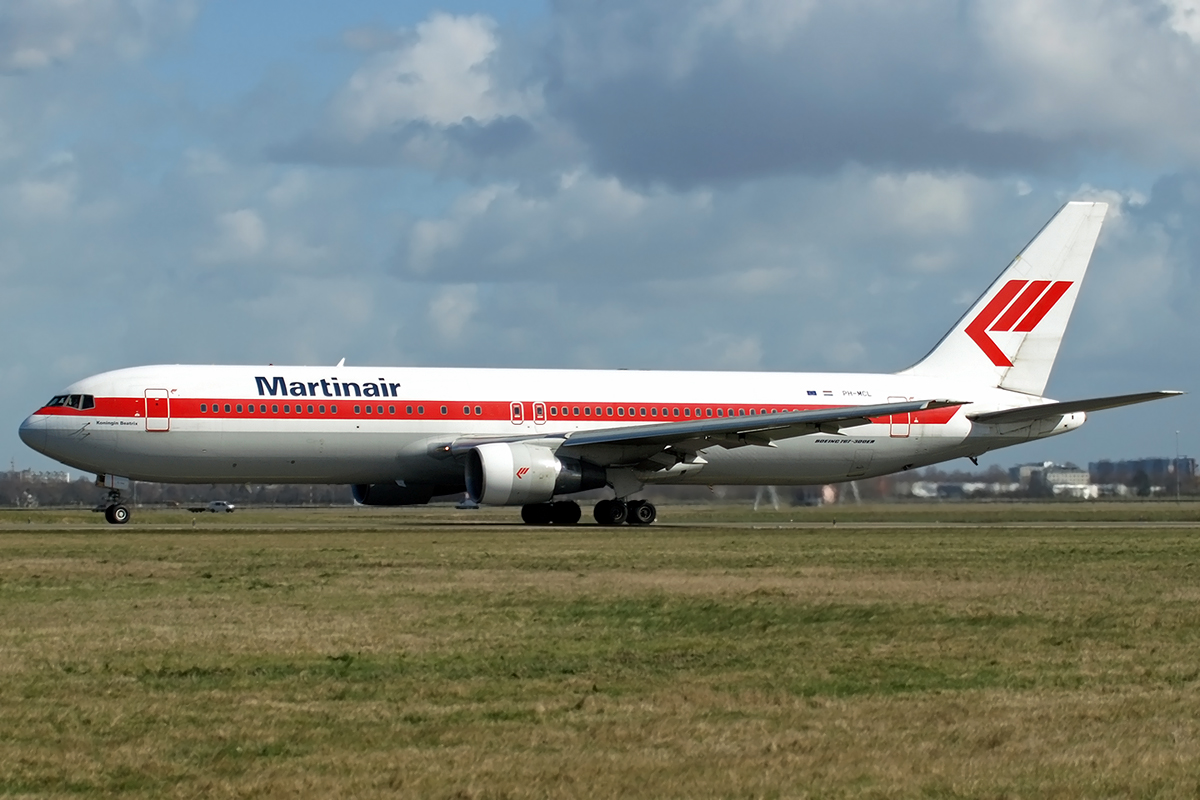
(726, 184)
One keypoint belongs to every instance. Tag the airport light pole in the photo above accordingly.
(1178, 477)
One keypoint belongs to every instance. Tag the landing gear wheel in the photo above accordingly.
(565, 513)
(642, 512)
(116, 515)
(536, 514)
(610, 512)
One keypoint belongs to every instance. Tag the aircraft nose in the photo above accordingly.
(33, 433)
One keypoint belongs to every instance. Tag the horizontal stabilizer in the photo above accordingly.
(1047, 410)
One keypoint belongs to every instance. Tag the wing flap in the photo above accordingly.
(1047, 410)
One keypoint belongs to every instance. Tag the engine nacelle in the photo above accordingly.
(392, 494)
(500, 474)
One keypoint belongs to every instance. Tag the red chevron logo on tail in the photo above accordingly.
(1018, 307)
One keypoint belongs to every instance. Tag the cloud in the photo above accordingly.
(38, 34)
(1121, 77)
(438, 96)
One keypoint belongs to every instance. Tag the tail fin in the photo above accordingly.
(1010, 336)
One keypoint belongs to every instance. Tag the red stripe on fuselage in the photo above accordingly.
(491, 411)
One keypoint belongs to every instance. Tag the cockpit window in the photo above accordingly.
(79, 401)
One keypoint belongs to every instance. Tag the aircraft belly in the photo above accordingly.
(292, 456)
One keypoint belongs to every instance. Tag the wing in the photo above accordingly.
(1048, 410)
(694, 435)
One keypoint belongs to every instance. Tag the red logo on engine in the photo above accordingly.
(1018, 307)
(522, 472)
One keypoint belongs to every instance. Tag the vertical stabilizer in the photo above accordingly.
(1010, 336)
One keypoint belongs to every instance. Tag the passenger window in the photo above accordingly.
(466, 411)
(391, 409)
(687, 412)
(287, 409)
(204, 408)
(587, 411)
(408, 410)
(720, 412)
(554, 411)
(675, 412)
(321, 409)
(608, 411)
(239, 408)
(575, 411)
(654, 412)
(478, 411)
(708, 412)
(420, 409)
(310, 409)
(358, 409)
(444, 410)
(379, 409)
(368, 409)
(250, 408)
(642, 412)
(620, 412)
(333, 409)
(274, 409)
(227, 408)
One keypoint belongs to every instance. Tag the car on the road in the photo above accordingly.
(217, 506)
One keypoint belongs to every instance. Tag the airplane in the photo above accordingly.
(532, 437)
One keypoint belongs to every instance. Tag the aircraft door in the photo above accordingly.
(539, 413)
(158, 410)
(901, 424)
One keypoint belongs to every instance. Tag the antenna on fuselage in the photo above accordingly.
(342, 363)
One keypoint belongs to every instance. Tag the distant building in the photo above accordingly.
(1159, 471)
(1061, 480)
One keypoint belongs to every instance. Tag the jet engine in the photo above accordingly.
(393, 494)
(502, 474)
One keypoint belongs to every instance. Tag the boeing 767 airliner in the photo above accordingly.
(532, 438)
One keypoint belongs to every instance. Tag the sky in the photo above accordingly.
(784, 185)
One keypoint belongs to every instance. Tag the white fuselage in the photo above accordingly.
(222, 424)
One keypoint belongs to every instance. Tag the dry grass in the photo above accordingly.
(347, 654)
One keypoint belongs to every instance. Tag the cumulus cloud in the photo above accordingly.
(438, 93)
(1119, 77)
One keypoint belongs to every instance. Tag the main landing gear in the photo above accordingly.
(563, 513)
(606, 512)
(617, 512)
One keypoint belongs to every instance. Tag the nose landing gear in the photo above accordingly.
(116, 514)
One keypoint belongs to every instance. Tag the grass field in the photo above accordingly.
(920, 651)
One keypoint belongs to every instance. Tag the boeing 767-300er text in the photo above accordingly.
(533, 437)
